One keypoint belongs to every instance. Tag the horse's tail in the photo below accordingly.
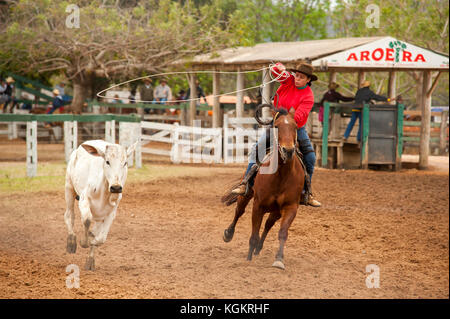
(229, 198)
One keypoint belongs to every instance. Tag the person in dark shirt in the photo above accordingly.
(332, 96)
(200, 93)
(57, 101)
(363, 95)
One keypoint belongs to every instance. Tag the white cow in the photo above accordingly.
(96, 174)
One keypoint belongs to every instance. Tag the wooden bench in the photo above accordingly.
(335, 147)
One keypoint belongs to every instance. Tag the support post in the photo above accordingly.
(32, 149)
(216, 102)
(424, 148)
(398, 162)
(392, 86)
(240, 94)
(365, 137)
(443, 133)
(192, 103)
(266, 93)
(326, 113)
(361, 78)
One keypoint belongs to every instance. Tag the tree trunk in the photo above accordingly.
(80, 91)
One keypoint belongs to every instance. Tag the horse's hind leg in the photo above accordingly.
(273, 217)
(242, 203)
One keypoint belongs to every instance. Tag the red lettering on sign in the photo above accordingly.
(377, 57)
(419, 57)
(352, 56)
(406, 56)
(365, 56)
(389, 53)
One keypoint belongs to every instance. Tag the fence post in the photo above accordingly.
(226, 156)
(128, 134)
(326, 113)
(32, 149)
(110, 131)
(398, 162)
(175, 152)
(12, 130)
(137, 137)
(443, 133)
(70, 138)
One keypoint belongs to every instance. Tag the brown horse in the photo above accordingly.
(276, 193)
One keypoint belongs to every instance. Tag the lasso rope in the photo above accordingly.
(99, 94)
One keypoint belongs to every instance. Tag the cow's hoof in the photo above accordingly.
(90, 264)
(278, 264)
(71, 244)
(227, 235)
(84, 243)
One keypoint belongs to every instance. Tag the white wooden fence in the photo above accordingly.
(238, 139)
(185, 143)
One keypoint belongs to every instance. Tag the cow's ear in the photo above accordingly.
(131, 148)
(93, 150)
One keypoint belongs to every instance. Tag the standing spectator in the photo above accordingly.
(60, 88)
(363, 95)
(8, 94)
(332, 96)
(56, 104)
(146, 92)
(2, 93)
(132, 96)
(200, 92)
(116, 100)
(181, 96)
(162, 93)
(57, 101)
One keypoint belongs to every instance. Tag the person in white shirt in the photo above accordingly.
(162, 93)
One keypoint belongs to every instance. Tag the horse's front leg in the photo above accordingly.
(287, 216)
(273, 217)
(242, 203)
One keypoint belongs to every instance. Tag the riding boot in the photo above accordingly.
(247, 181)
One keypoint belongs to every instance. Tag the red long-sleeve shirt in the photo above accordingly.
(288, 95)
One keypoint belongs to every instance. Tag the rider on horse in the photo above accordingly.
(295, 92)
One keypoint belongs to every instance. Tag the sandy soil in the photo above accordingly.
(166, 241)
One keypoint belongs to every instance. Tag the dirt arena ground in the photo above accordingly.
(166, 241)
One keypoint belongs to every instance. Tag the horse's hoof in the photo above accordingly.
(84, 243)
(90, 264)
(227, 235)
(71, 244)
(278, 264)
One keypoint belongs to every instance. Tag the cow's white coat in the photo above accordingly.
(94, 168)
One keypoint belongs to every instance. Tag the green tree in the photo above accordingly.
(423, 23)
(115, 39)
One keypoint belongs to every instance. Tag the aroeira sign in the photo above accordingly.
(386, 53)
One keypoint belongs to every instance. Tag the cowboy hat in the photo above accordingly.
(333, 86)
(306, 69)
(365, 84)
(9, 80)
(56, 91)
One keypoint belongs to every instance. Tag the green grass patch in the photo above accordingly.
(51, 176)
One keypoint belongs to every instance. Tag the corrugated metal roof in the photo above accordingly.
(279, 51)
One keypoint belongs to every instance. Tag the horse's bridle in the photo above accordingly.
(272, 124)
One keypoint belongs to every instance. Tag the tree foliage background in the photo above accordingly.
(120, 39)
